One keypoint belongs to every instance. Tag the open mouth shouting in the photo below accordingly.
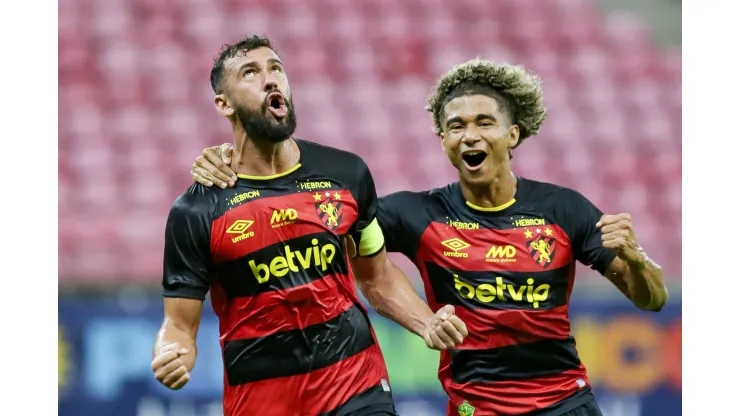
(473, 159)
(276, 105)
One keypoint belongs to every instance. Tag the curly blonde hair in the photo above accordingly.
(520, 89)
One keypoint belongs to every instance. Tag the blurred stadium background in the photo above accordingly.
(135, 109)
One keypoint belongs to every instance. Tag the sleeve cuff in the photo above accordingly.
(185, 292)
(606, 261)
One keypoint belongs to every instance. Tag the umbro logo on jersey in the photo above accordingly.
(457, 246)
(240, 227)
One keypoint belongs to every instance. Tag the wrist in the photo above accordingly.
(638, 261)
(420, 325)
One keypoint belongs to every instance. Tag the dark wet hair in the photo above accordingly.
(227, 52)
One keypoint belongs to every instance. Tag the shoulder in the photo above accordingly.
(328, 156)
(550, 193)
(406, 198)
(414, 204)
(197, 200)
(567, 207)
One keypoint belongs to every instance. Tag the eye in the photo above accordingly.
(485, 124)
(277, 69)
(249, 72)
(455, 128)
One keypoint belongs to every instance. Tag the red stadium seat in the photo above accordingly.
(136, 106)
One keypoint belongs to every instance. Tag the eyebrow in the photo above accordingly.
(254, 64)
(245, 65)
(479, 117)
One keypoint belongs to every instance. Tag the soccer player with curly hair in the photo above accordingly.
(503, 249)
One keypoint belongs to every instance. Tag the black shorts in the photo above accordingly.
(368, 411)
(375, 401)
(589, 408)
(380, 409)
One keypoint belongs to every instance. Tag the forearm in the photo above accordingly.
(392, 296)
(170, 333)
(645, 285)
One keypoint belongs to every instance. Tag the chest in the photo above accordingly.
(522, 263)
(530, 244)
(255, 221)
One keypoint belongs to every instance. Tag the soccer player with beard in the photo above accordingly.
(503, 250)
(274, 251)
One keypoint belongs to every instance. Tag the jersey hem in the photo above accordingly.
(571, 402)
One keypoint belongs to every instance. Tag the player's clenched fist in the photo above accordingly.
(618, 235)
(169, 369)
(445, 330)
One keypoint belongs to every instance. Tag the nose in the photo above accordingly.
(270, 85)
(471, 136)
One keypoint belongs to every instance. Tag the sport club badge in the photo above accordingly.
(541, 245)
(329, 208)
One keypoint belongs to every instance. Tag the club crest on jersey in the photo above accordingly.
(465, 409)
(541, 247)
(329, 208)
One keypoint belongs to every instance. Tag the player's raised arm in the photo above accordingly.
(387, 288)
(185, 283)
(632, 271)
(608, 244)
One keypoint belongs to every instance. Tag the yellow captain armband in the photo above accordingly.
(371, 239)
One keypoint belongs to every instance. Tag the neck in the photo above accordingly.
(257, 157)
(496, 193)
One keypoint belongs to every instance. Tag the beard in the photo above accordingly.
(263, 126)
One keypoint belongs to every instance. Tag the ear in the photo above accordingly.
(442, 142)
(222, 105)
(513, 136)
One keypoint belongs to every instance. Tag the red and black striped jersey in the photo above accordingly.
(273, 253)
(509, 272)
